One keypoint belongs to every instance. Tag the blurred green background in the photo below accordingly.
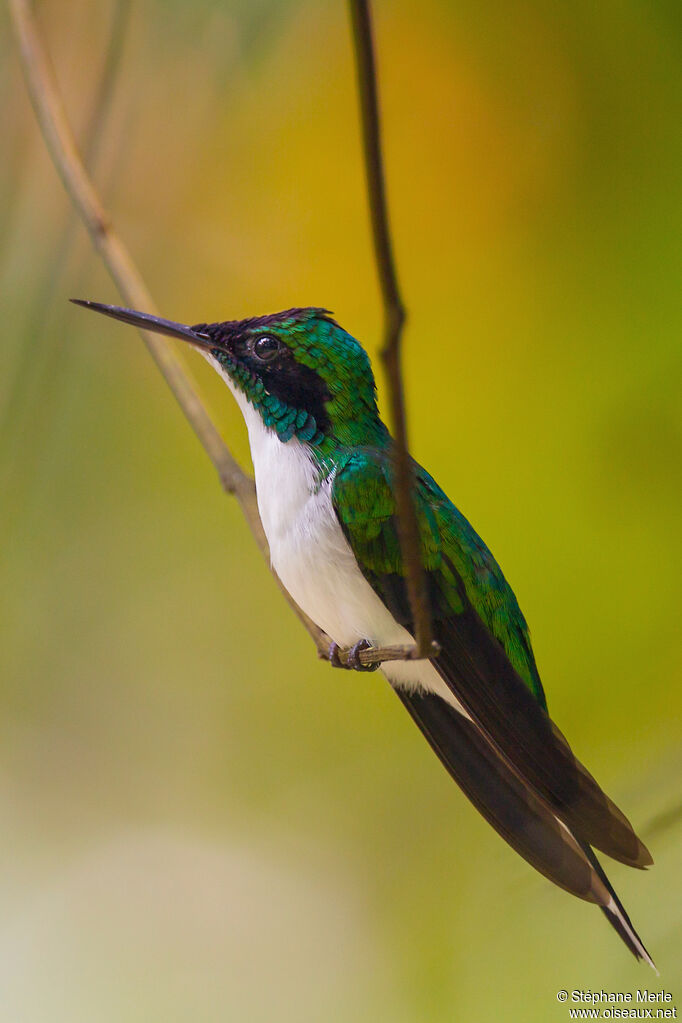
(200, 821)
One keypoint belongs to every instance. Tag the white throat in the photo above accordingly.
(310, 554)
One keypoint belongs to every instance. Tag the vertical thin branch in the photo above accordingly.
(394, 320)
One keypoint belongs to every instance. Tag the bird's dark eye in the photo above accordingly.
(266, 348)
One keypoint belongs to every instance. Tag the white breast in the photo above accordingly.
(307, 547)
(312, 557)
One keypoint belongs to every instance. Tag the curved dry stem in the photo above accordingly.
(58, 137)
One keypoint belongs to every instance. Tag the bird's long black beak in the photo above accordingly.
(145, 321)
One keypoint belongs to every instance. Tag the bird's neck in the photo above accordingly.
(289, 473)
(352, 424)
(346, 437)
(302, 465)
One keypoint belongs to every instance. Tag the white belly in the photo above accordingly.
(312, 557)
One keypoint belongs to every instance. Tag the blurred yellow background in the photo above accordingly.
(200, 821)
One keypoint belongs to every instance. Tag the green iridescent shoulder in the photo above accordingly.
(460, 568)
(484, 582)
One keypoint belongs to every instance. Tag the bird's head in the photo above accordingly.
(304, 375)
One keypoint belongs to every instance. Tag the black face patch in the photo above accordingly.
(266, 355)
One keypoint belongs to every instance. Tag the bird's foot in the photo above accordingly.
(353, 662)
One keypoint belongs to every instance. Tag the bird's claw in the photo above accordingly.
(353, 662)
(333, 655)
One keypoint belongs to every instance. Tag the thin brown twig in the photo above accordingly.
(57, 134)
(56, 131)
(394, 321)
(58, 137)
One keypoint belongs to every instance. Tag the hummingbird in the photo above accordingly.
(325, 487)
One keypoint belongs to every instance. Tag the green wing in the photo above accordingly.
(486, 657)
(461, 571)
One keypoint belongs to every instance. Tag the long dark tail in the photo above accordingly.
(516, 812)
(617, 916)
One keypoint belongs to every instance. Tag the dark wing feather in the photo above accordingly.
(516, 813)
(502, 798)
(486, 659)
(475, 668)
